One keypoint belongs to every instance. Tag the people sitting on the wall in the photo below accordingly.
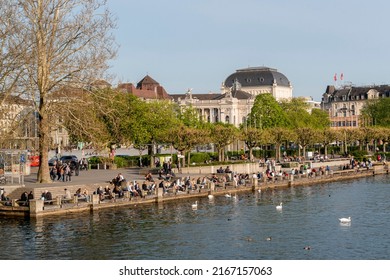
(5, 199)
(100, 192)
(46, 196)
(24, 199)
(227, 170)
(108, 192)
(117, 181)
(85, 195)
(220, 170)
(118, 190)
(137, 188)
(30, 195)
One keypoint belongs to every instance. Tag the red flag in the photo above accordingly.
(341, 76)
(335, 77)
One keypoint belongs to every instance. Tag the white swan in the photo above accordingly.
(210, 196)
(280, 206)
(345, 220)
(195, 206)
(228, 195)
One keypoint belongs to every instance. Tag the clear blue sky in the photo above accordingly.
(196, 44)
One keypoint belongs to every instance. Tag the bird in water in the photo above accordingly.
(307, 248)
(269, 238)
(195, 206)
(345, 220)
(280, 206)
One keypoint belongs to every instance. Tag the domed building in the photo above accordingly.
(258, 80)
(235, 101)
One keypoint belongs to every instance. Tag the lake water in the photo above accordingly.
(221, 229)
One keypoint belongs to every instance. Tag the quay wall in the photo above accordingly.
(38, 208)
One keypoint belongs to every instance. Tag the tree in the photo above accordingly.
(83, 113)
(278, 136)
(376, 112)
(367, 134)
(327, 136)
(305, 136)
(296, 110)
(251, 137)
(319, 119)
(185, 138)
(222, 134)
(66, 44)
(266, 112)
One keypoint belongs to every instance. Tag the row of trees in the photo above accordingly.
(125, 119)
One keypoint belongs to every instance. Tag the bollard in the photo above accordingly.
(254, 184)
(160, 195)
(212, 186)
(36, 206)
(291, 180)
(14, 203)
(95, 199)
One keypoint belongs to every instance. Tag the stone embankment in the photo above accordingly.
(61, 206)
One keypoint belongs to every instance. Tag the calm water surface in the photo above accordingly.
(220, 229)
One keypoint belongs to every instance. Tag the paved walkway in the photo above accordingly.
(86, 177)
(94, 176)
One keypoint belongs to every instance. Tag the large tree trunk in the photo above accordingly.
(44, 140)
(326, 150)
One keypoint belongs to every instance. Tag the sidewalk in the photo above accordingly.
(85, 177)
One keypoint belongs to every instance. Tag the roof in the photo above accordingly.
(352, 92)
(257, 76)
(147, 89)
(146, 81)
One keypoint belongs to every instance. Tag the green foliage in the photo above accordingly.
(266, 113)
(377, 112)
(190, 117)
(358, 154)
(319, 119)
(96, 159)
(297, 113)
(121, 162)
(200, 157)
(223, 134)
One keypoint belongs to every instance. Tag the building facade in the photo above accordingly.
(238, 93)
(231, 107)
(345, 104)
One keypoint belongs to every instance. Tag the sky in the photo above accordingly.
(196, 44)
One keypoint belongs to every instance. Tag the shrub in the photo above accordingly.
(200, 157)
